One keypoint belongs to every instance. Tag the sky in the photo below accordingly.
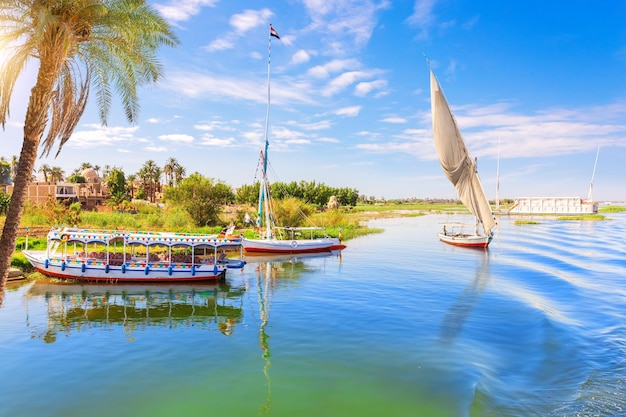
(537, 89)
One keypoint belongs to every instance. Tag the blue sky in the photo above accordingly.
(539, 84)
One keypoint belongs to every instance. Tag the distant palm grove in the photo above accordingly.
(170, 184)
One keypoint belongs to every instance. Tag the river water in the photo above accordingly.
(399, 324)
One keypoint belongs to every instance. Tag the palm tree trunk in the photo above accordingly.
(16, 208)
(34, 125)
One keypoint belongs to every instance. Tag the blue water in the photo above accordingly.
(399, 324)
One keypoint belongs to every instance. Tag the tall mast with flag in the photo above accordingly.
(264, 190)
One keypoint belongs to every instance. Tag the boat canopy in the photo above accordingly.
(141, 238)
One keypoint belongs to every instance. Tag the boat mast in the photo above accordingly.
(589, 197)
(264, 192)
(498, 180)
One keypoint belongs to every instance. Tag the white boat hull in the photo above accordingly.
(292, 246)
(136, 272)
(466, 240)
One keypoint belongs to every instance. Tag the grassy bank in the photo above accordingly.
(351, 222)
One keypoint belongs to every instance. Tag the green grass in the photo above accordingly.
(417, 206)
(612, 209)
(520, 222)
(583, 217)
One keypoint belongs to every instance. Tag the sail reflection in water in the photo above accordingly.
(463, 306)
(77, 307)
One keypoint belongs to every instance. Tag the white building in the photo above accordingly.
(553, 205)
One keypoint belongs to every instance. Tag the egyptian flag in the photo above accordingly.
(274, 33)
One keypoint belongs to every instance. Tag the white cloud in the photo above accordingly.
(322, 124)
(394, 120)
(327, 140)
(220, 45)
(300, 57)
(250, 19)
(217, 125)
(363, 88)
(177, 138)
(95, 135)
(182, 10)
(334, 66)
(210, 140)
(213, 87)
(345, 18)
(423, 17)
(344, 80)
(348, 111)
(158, 149)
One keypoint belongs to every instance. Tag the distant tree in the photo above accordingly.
(292, 212)
(14, 161)
(84, 166)
(5, 200)
(76, 179)
(130, 181)
(168, 170)
(5, 171)
(248, 194)
(116, 182)
(106, 172)
(45, 170)
(56, 174)
(201, 197)
(179, 174)
(150, 175)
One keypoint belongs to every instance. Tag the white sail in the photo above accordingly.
(455, 159)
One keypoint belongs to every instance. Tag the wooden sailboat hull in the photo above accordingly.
(466, 240)
(292, 246)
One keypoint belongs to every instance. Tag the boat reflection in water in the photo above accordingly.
(464, 305)
(296, 263)
(270, 270)
(74, 306)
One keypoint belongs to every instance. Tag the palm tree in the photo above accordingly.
(78, 44)
(45, 170)
(179, 174)
(84, 166)
(150, 175)
(13, 167)
(168, 170)
(56, 174)
(130, 181)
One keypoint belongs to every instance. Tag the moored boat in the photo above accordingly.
(274, 239)
(453, 233)
(461, 171)
(125, 256)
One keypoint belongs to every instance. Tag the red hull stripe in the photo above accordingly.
(294, 251)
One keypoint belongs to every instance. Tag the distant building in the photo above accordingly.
(553, 205)
(90, 194)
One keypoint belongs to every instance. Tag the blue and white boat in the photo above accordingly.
(123, 256)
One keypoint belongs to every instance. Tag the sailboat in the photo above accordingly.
(458, 166)
(276, 239)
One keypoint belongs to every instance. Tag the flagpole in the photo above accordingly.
(264, 201)
(267, 114)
